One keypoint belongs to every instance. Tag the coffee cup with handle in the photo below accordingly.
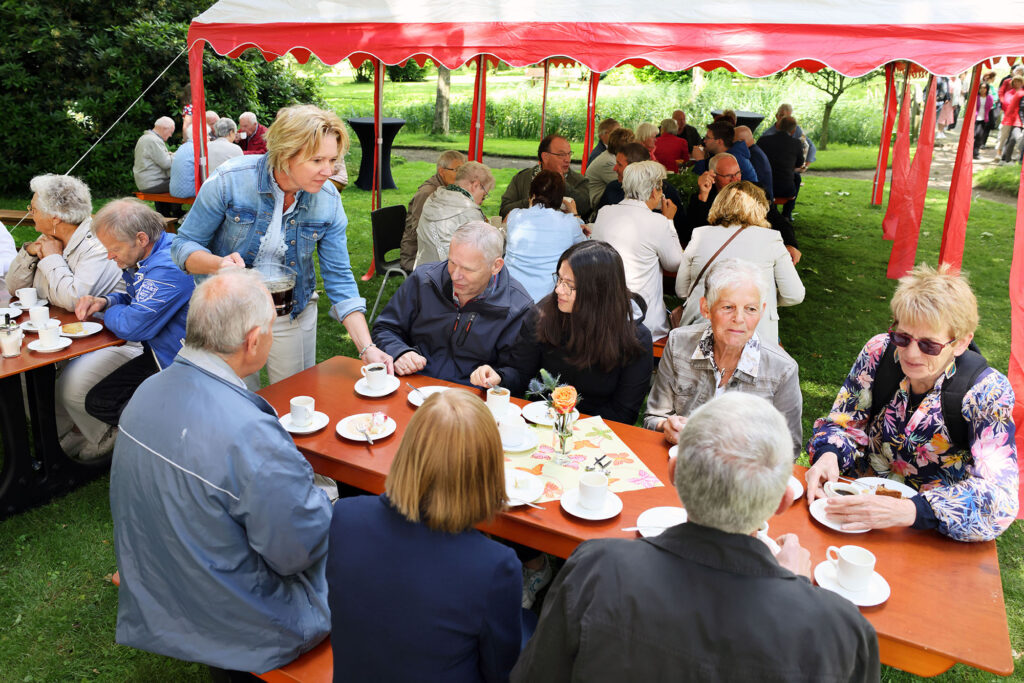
(302, 409)
(512, 430)
(39, 315)
(49, 334)
(498, 400)
(854, 566)
(593, 488)
(376, 375)
(27, 297)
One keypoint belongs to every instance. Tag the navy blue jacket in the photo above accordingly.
(422, 317)
(412, 604)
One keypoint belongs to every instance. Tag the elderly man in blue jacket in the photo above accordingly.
(452, 316)
(151, 312)
(220, 533)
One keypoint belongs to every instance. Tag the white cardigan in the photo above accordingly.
(761, 246)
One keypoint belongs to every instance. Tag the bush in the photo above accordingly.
(69, 69)
(410, 72)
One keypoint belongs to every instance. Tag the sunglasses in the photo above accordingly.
(928, 347)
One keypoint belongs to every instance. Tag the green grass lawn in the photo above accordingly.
(59, 607)
(1002, 179)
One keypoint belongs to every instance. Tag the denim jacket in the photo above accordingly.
(232, 214)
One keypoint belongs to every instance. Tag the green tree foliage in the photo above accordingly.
(69, 68)
(410, 72)
(652, 74)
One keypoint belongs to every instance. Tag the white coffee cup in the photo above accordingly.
(39, 315)
(835, 489)
(854, 566)
(498, 400)
(302, 409)
(762, 535)
(512, 429)
(27, 296)
(593, 489)
(49, 333)
(376, 375)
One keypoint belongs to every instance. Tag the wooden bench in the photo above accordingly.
(316, 666)
(10, 218)
(164, 197)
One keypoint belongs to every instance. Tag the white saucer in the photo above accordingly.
(522, 487)
(537, 412)
(876, 593)
(888, 484)
(29, 326)
(13, 311)
(345, 428)
(36, 345)
(817, 509)
(39, 302)
(798, 488)
(420, 395)
(390, 386)
(655, 520)
(570, 503)
(511, 410)
(672, 451)
(319, 421)
(88, 327)
(527, 443)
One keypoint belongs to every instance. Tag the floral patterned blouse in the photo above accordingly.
(973, 494)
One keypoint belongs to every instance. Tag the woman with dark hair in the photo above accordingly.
(537, 235)
(590, 332)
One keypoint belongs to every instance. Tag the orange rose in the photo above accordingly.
(563, 398)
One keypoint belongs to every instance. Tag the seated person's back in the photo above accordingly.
(448, 208)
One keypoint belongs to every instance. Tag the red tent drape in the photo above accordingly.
(889, 118)
(1016, 373)
(588, 138)
(900, 163)
(958, 206)
(478, 123)
(904, 246)
(544, 100)
(378, 139)
(199, 139)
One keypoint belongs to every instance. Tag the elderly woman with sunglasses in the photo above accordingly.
(944, 425)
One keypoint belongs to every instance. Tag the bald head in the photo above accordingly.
(211, 117)
(743, 133)
(247, 123)
(164, 127)
(726, 169)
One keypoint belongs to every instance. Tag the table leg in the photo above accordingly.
(60, 473)
(19, 475)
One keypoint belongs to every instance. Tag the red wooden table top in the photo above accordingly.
(30, 360)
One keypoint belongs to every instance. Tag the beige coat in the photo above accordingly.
(761, 246)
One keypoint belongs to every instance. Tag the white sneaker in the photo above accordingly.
(534, 581)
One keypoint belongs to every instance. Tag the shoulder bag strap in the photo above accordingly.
(712, 260)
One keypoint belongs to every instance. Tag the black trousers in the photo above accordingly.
(107, 399)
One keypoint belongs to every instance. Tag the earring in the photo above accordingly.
(896, 355)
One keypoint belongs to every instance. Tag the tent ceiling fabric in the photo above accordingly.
(942, 36)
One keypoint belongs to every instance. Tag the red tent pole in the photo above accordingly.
(378, 139)
(1016, 373)
(904, 247)
(958, 206)
(544, 100)
(199, 139)
(477, 125)
(889, 118)
(588, 138)
(900, 164)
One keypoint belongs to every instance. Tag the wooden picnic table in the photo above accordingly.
(12, 217)
(947, 600)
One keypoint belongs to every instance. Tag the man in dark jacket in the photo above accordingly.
(449, 317)
(785, 154)
(705, 600)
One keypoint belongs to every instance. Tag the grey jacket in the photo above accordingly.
(686, 379)
(412, 218)
(152, 161)
(443, 213)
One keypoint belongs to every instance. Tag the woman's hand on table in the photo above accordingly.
(409, 363)
(87, 305)
(868, 511)
(794, 556)
(375, 355)
(672, 425)
(485, 376)
(825, 468)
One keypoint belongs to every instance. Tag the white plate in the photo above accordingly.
(876, 593)
(62, 343)
(39, 302)
(390, 386)
(570, 503)
(537, 412)
(346, 429)
(319, 421)
(818, 512)
(511, 410)
(29, 326)
(418, 397)
(522, 487)
(888, 484)
(798, 488)
(655, 520)
(89, 327)
(529, 442)
(13, 311)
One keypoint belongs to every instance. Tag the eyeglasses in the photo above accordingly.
(559, 281)
(737, 174)
(560, 154)
(927, 346)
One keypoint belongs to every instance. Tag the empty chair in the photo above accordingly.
(387, 225)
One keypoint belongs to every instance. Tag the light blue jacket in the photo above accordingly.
(220, 534)
(183, 172)
(232, 214)
(537, 236)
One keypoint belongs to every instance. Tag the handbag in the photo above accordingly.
(677, 313)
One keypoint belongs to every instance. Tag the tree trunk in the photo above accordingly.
(444, 87)
(823, 140)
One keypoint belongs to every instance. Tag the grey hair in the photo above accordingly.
(728, 273)
(1018, 70)
(669, 126)
(717, 159)
(247, 116)
(481, 235)
(474, 170)
(639, 180)
(223, 128)
(225, 308)
(645, 131)
(735, 458)
(449, 157)
(124, 218)
(164, 122)
(63, 196)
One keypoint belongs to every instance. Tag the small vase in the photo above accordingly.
(563, 423)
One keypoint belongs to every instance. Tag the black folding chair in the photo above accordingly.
(387, 225)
